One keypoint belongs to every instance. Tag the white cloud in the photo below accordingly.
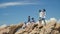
(14, 4)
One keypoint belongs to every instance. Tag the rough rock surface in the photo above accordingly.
(33, 28)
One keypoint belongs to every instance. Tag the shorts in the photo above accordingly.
(40, 18)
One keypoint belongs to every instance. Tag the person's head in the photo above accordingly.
(43, 10)
(39, 10)
(28, 16)
(32, 18)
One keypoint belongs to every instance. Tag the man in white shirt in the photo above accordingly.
(42, 15)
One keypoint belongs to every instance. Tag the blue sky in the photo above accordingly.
(15, 11)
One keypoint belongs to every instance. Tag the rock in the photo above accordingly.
(20, 32)
(33, 28)
(4, 30)
(55, 32)
(57, 27)
(50, 25)
(14, 28)
(34, 32)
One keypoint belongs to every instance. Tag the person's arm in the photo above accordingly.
(45, 13)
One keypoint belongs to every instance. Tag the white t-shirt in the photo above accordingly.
(42, 14)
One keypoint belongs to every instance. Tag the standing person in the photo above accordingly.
(28, 18)
(28, 21)
(33, 20)
(42, 14)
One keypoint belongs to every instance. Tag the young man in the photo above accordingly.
(28, 18)
(42, 15)
(28, 21)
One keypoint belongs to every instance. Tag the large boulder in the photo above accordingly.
(14, 28)
(5, 30)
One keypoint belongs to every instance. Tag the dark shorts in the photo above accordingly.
(41, 18)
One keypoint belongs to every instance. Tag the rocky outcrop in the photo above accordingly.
(13, 29)
(33, 28)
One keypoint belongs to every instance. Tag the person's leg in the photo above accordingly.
(40, 20)
(44, 21)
